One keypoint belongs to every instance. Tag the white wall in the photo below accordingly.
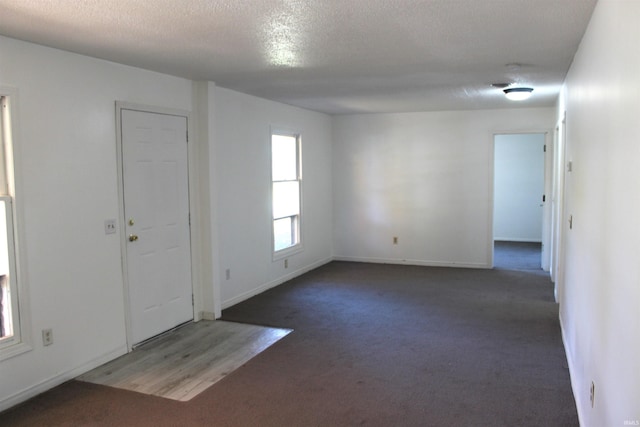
(68, 185)
(243, 149)
(518, 187)
(424, 177)
(600, 301)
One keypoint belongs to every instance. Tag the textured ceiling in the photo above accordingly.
(335, 56)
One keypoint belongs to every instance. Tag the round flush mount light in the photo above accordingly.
(518, 93)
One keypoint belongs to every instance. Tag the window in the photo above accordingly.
(10, 331)
(286, 189)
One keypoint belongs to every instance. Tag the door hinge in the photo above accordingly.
(189, 219)
(544, 148)
(187, 136)
(193, 300)
(544, 198)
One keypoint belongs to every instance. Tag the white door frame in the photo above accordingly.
(559, 224)
(546, 232)
(197, 295)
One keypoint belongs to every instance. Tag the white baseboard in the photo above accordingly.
(572, 376)
(413, 262)
(207, 315)
(56, 380)
(266, 286)
(516, 239)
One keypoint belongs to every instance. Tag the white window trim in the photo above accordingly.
(298, 247)
(21, 340)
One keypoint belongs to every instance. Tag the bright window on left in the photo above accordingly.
(10, 331)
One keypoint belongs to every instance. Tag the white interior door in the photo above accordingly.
(156, 207)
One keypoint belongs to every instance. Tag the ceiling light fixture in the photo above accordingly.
(518, 93)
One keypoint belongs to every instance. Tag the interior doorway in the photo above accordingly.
(519, 187)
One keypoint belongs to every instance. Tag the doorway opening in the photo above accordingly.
(519, 187)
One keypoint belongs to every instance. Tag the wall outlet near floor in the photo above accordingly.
(592, 393)
(395, 240)
(286, 263)
(47, 337)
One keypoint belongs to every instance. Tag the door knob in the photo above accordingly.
(133, 237)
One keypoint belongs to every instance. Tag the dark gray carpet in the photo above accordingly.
(375, 345)
(517, 255)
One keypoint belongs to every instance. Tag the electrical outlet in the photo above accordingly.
(47, 337)
(592, 393)
(286, 263)
(227, 273)
(395, 240)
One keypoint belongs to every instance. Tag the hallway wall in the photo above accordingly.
(599, 300)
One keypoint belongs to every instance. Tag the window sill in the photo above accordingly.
(13, 350)
(286, 253)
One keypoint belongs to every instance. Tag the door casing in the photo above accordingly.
(546, 232)
(122, 220)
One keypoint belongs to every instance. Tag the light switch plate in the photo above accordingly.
(109, 226)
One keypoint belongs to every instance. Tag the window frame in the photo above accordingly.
(20, 341)
(298, 245)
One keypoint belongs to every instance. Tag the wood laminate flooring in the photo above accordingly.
(182, 363)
